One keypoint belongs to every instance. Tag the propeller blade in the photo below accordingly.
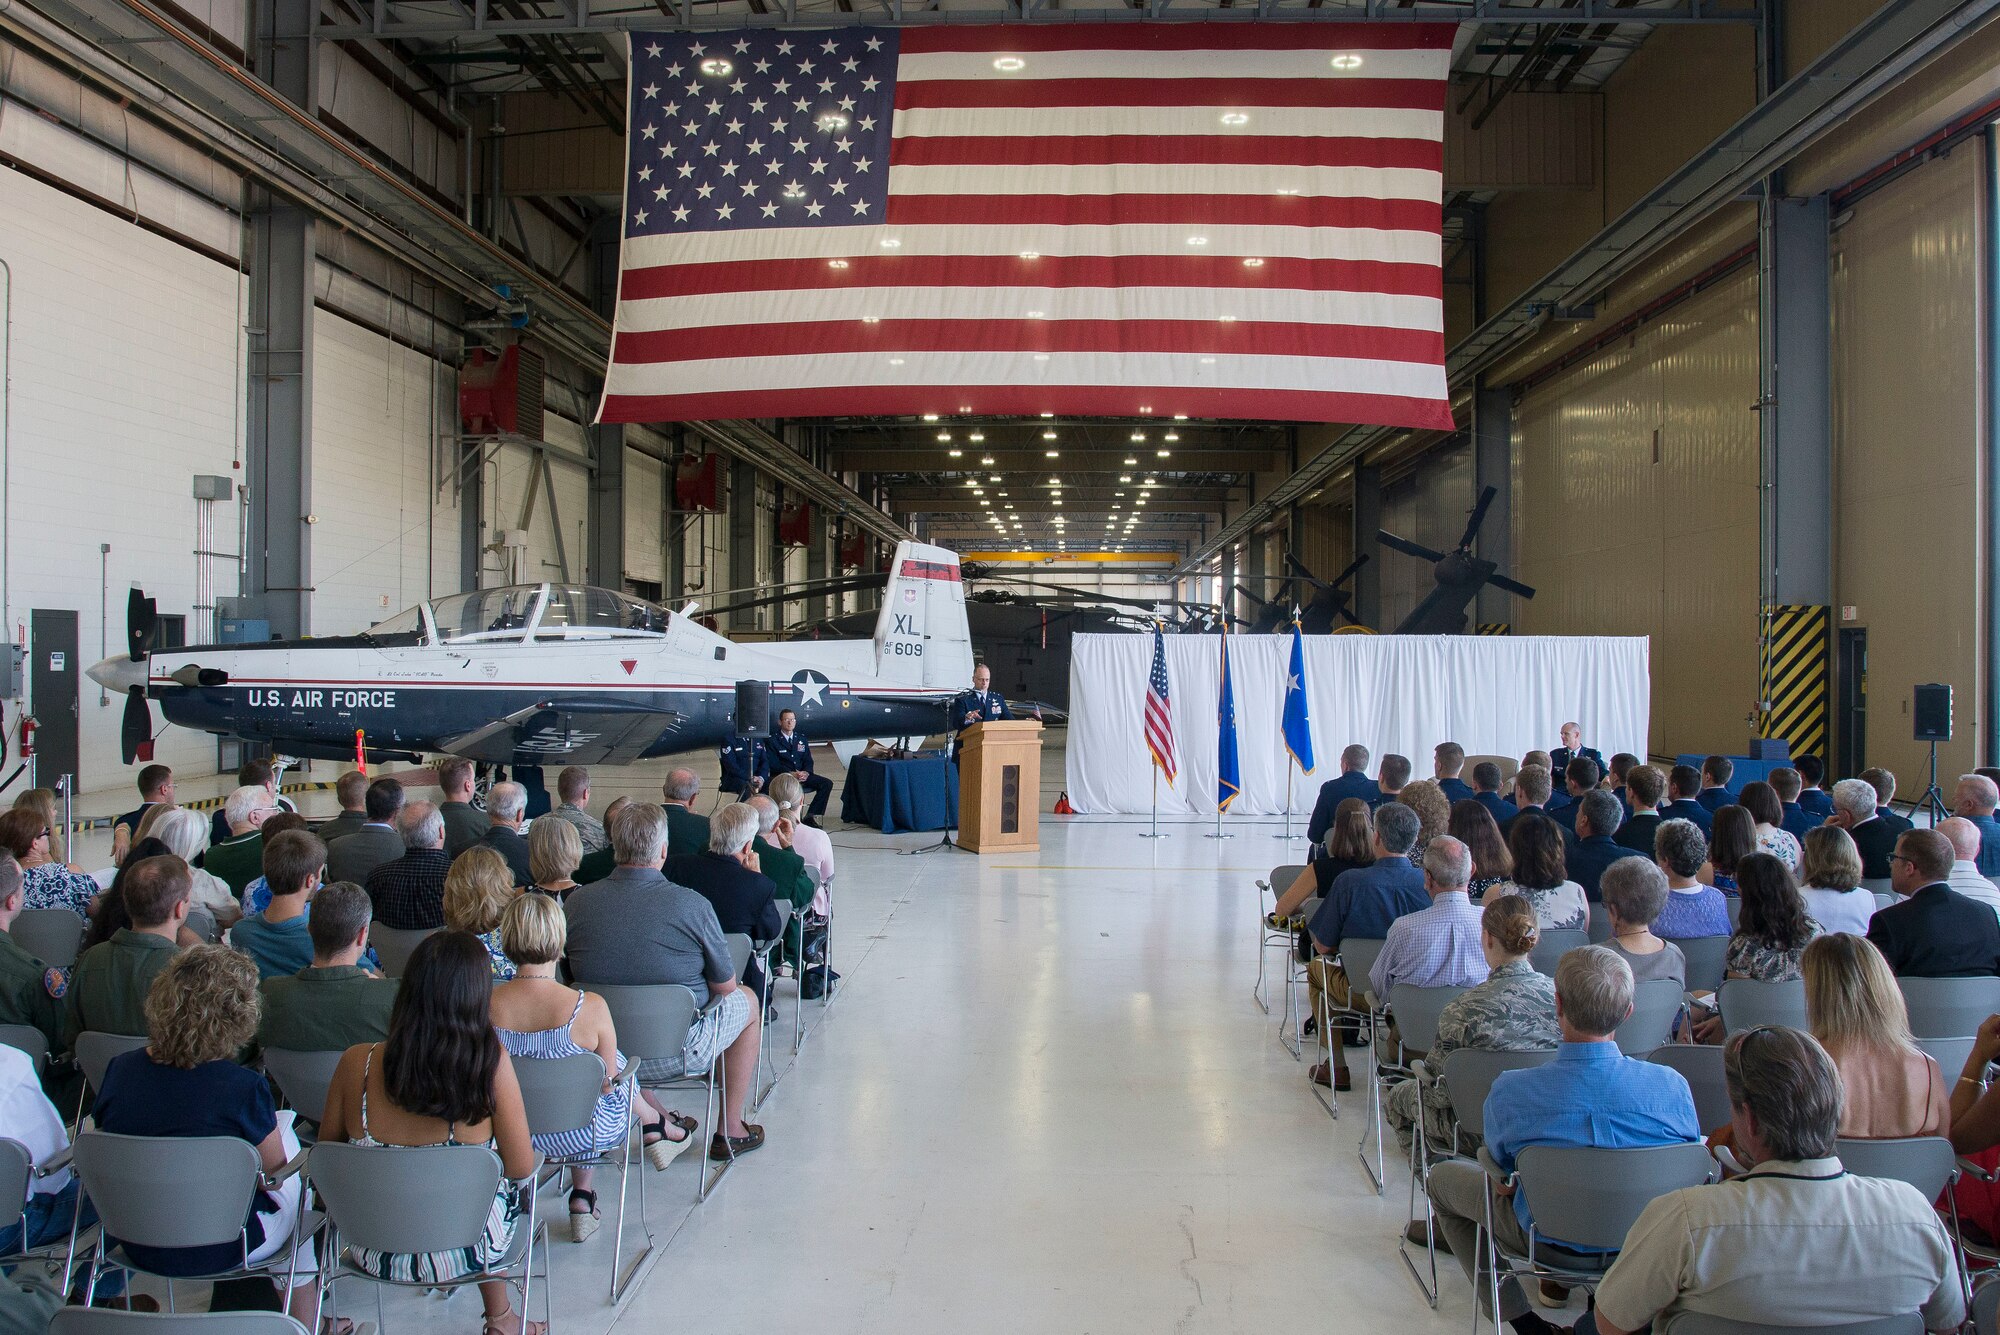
(142, 621)
(1405, 546)
(1261, 602)
(1298, 568)
(1478, 518)
(1514, 587)
(1348, 573)
(135, 731)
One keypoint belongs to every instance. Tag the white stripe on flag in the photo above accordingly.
(1041, 122)
(1166, 178)
(1287, 64)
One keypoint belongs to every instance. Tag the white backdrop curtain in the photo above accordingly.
(1494, 695)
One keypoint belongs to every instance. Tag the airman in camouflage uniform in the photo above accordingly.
(1514, 1010)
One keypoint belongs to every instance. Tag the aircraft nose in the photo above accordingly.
(118, 673)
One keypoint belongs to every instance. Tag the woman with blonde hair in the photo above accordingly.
(808, 841)
(477, 890)
(1830, 880)
(1856, 1011)
(555, 851)
(1433, 809)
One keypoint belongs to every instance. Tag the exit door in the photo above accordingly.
(53, 695)
(1853, 703)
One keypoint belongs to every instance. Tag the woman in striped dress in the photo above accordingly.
(538, 1018)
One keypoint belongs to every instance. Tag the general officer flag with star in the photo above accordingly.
(1298, 716)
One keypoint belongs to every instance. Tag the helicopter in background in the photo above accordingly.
(1459, 574)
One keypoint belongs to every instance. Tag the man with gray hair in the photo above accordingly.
(1361, 904)
(786, 869)
(506, 809)
(1590, 1095)
(1874, 838)
(408, 894)
(1797, 1241)
(239, 859)
(637, 927)
(1975, 799)
(687, 830)
(1965, 877)
(727, 874)
(1438, 945)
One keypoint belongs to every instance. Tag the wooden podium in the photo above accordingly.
(1000, 786)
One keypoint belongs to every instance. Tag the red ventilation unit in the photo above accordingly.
(501, 395)
(698, 482)
(795, 525)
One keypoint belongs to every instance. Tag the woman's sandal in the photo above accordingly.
(582, 1223)
(527, 1327)
(662, 1151)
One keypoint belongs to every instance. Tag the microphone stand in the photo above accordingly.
(946, 840)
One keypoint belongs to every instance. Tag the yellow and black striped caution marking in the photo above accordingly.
(1795, 683)
(1494, 628)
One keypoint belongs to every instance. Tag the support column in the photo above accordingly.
(817, 564)
(278, 411)
(604, 552)
(742, 538)
(1367, 522)
(671, 531)
(1493, 466)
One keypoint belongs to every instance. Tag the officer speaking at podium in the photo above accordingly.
(981, 704)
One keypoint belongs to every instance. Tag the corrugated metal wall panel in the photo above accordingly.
(645, 551)
(1906, 395)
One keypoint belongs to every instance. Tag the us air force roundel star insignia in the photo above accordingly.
(811, 687)
(55, 982)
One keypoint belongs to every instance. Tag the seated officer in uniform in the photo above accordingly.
(786, 751)
(1574, 749)
(744, 766)
(981, 704)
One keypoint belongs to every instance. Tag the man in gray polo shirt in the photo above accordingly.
(637, 927)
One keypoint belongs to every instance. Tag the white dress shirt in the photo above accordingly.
(27, 1115)
(1965, 879)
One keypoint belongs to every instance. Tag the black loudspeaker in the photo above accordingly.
(1931, 712)
(753, 708)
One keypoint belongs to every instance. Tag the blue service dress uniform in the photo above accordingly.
(991, 706)
(1560, 757)
(744, 767)
(787, 755)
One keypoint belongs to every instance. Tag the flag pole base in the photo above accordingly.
(1144, 835)
(1218, 836)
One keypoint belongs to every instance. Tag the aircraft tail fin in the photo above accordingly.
(922, 637)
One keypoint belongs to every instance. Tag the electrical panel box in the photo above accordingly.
(243, 630)
(213, 487)
(13, 668)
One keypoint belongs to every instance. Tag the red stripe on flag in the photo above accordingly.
(1395, 215)
(1210, 36)
(929, 570)
(1400, 94)
(912, 150)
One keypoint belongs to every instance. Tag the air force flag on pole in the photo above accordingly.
(1228, 774)
(1298, 717)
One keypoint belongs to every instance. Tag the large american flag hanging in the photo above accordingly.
(1214, 220)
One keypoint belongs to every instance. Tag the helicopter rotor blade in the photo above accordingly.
(1478, 518)
(1408, 548)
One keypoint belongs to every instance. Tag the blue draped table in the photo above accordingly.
(920, 793)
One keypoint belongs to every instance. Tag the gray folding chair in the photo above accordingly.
(52, 936)
(741, 950)
(303, 1078)
(560, 1094)
(1690, 1323)
(1879, 886)
(18, 1175)
(1656, 1004)
(1700, 1064)
(431, 1198)
(1925, 1162)
(394, 946)
(1949, 1007)
(766, 953)
(1747, 1003)
(180, 1191)
(1733, 905)
(1268, 938)
(109, 1321)
(1416, 1011)
(1707, 958)
(826, 957)
(652, 1021)
(1553, 945)
(1949, 1053)
(28, 1039)
(1600, 924)
(94, 1052)
(1357, 956)
(1986, 1310)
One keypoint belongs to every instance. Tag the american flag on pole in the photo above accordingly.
(1214, 220)
(1159, 714)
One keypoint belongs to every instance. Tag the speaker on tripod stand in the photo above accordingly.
(1930, 710)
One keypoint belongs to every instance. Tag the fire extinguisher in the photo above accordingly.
(28, 726)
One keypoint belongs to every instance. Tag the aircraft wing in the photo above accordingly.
(573, 731)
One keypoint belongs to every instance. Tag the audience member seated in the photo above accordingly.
(443, 1078)
(1348, 845)
(1891, 1087)
(1438, 945)
(464, 824)
(1692, 909)
(506, 812)
(726, 874)
(1644, 787)
(258, 893)
(1813, 798)
(538, 1018)
(376, 843)
(156, 786)
(46, 1217)
(786, 868)
(555, 851)
(1874, 836)
(278, 939)
(1715, 775)
(1361, 904)
(810, 842)
(1809, 1244)
(1580, 776)
(1975, 1107)
(408, 893)
(30, 991)
(1590, 1095)
(1934, 932)
(1831, 882)
(351, 791)
(687, 827)
(1353, 782)
(1975, 799)
(1433, 814)
(109, 916)
(573, 803)
(202, 1011)
(1447, 763)
(1535, 844)
(1683, 785)
(238, 858)
(1798, 822)
(1773, 928)
(1635, 891)
(596, 866)
(1390, 777)
(185, 834)
(107, 989)
(1622, 764)
(333, 1003)
(477, 890)
(1760, 799)
(1965, 877)
(1884, 784)
(45, 883)
(636, 926)
(1514, 1010)
(1733, 838)
(1473, 826)
(1486, 792)
(1572, 748)
(257, 774)
(1595, 845)
(1531, 793)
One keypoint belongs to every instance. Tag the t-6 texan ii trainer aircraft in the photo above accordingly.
(555, 673)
